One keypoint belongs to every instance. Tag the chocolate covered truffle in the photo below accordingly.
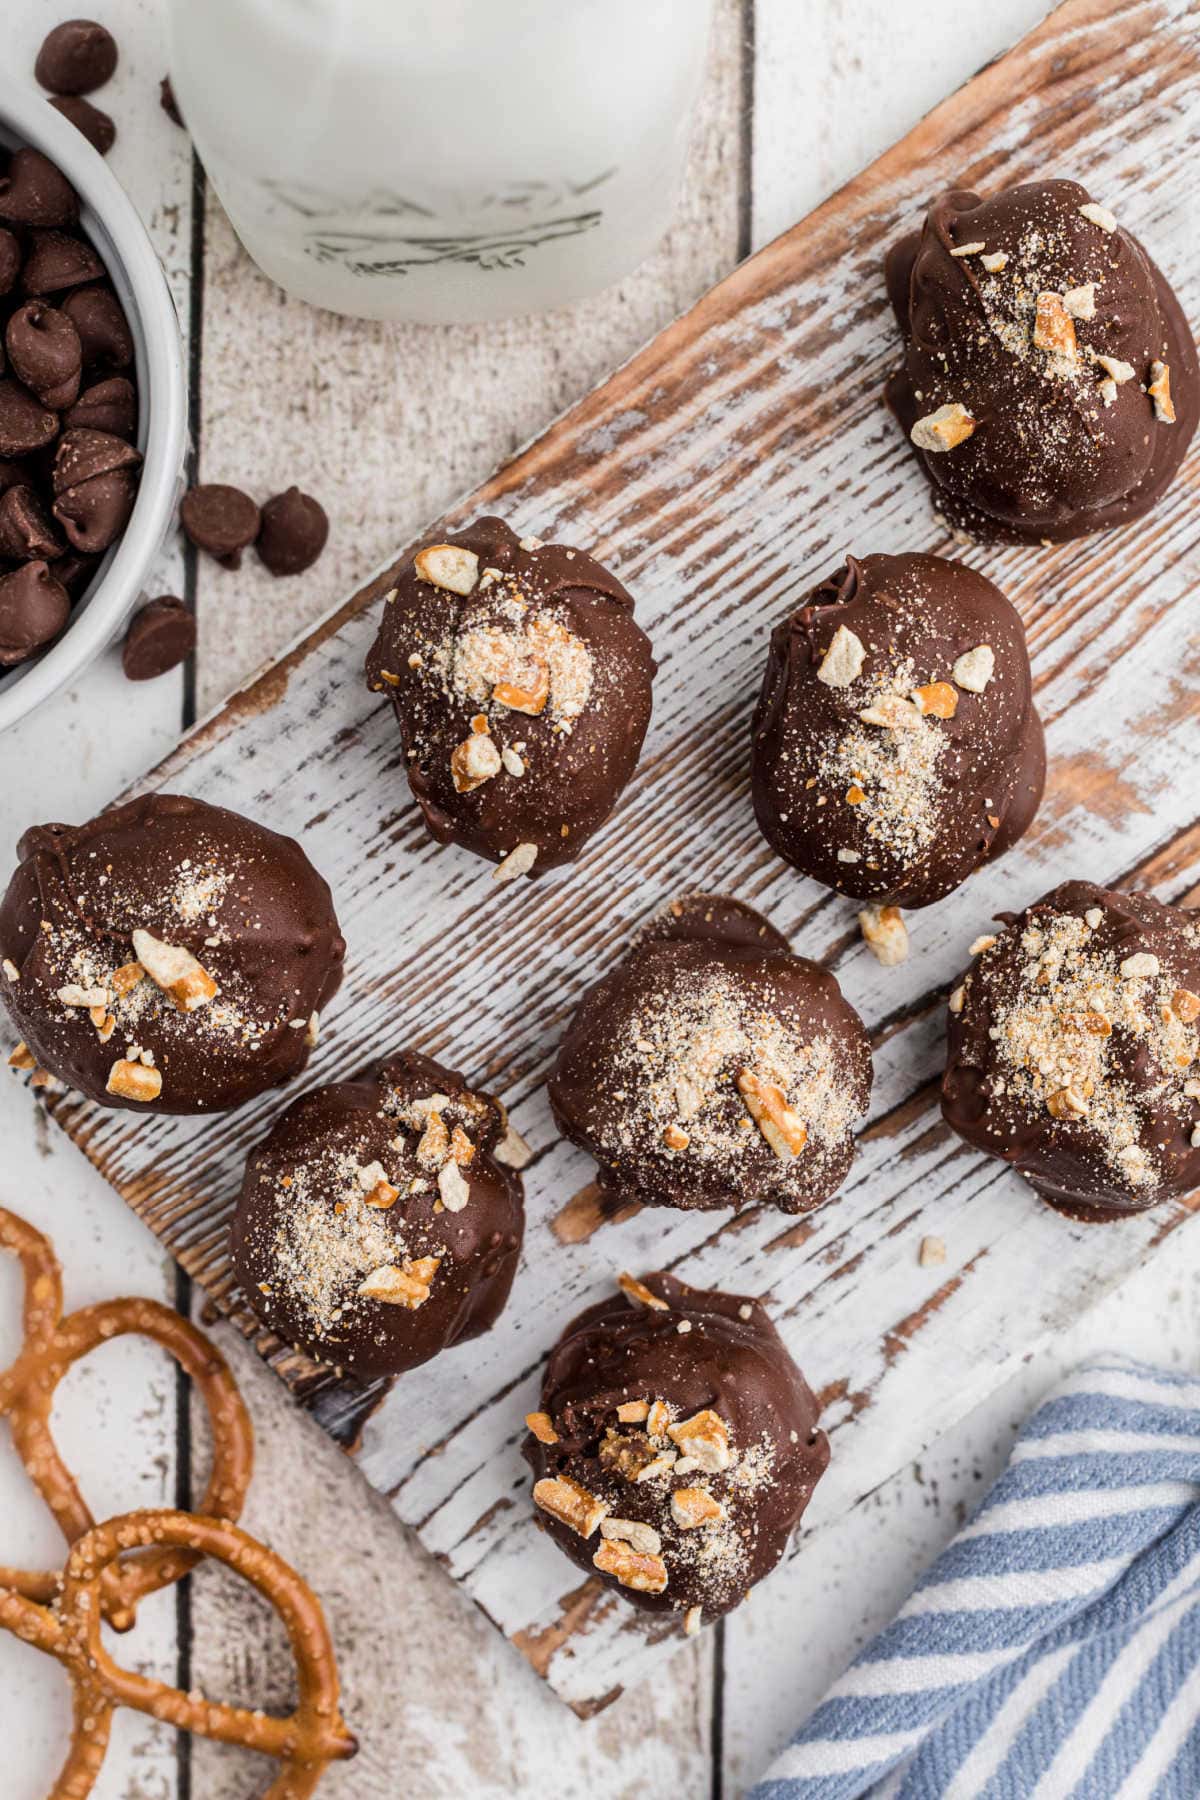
(895, 742)
(168, 956)
(1049, 381)
(676, 1447)
(1074, 1049)
(521, 686)
(712, 1068)
(381, 1220)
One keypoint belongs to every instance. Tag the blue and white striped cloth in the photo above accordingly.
(1053, 1649)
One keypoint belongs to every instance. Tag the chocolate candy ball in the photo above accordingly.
(1049, 381)
(381, 1220)
(1074, 1050)
(168, 955)
(895, 742)
(712, 1068)
(522, 689)
(676, 1447)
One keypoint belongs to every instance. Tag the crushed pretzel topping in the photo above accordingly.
(175, 970)
(448, 566)
(542, 1427)
(843, 662)
(1159, 391)
(975, 668)
(134, 1081)
(945, 429)
(570, 1504)
(640, 1294)
(632, 1568)
(885, 934)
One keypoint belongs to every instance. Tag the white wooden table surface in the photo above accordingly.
(800, 94)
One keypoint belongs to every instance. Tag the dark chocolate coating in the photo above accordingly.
(303, 1239)
(97, 126)
(1049, 458)
(655, 1049)
(1109, 1127)
(537, 611)
(705, 1351)
(245, 901)
(918, 805)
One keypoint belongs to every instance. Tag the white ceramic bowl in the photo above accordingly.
(110, 222)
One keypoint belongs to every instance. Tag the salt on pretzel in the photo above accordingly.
(52, 1344)
(304, 1742)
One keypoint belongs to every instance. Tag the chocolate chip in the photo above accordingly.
(25, 424)
(45, 353)
(294, 530)
(25, 531)
(103, 328)
(55, 261)
(35, 192)
(109, 405)
(95, 125)
(75, 572)
(33, 609)
(221, 520)
(84, 454)
(159, 638)
(96, 512)
(168, 102)
(76, 57)
(10, 260)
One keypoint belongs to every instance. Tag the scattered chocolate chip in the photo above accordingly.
(221, 520)
(35, 192)
(10, 260)
(103, 329)
(45, 353)
(293, 534)
(56, 261)
(109, 405)
(77, 57)
(159, 638)
(95, 125)
(25, 424)
(33, 609)
(25, 531)
(84, 454)
(168, 102)
(95, 512)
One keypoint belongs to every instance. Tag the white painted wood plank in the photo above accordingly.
(759, 523)
(117, 1417)
(836, 83)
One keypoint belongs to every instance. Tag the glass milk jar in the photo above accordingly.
(441, 160)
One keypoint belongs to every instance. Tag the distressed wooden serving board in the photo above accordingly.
(721, 473)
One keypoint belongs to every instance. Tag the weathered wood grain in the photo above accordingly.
(721, 472)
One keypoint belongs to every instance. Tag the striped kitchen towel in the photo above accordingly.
(1053, 1649)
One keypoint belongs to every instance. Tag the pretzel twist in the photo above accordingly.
(27, 1389)
(304, 1742)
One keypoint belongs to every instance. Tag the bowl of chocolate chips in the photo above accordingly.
(93, 411)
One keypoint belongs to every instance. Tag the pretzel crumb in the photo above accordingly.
(448, 566)
(705, 1437)
(542, 1427)
(945, 429)
(175, 970)
(632, 1568)
(975, 668)
(843, 662)
(406, 1285)
(518, 862)
(133, 1080)
(783, 1129)
(1159, 391)
(569, 1503)
(640, 1294)
(932, 1252)
(885, 934)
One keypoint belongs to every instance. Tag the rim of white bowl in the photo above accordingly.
(111, 222)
